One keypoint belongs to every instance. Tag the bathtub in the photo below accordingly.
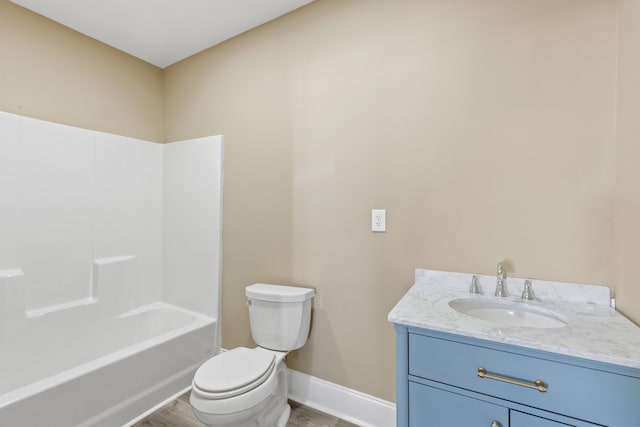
(87, 366)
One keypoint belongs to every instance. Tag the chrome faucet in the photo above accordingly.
(501, 290)
(474, 288)
(527, 293)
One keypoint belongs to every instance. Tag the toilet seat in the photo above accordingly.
(233, 373)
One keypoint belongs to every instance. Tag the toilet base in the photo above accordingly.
(262, 416)
(284, 417)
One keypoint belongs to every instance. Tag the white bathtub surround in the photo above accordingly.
(89, 232)
(128, 213)
(10, 254)
(594, 329)
(193, 224)
(110, 371)
(57, 198)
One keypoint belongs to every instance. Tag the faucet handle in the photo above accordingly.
(501, 274)
(527, 293)
(501, 290)
(474, 288)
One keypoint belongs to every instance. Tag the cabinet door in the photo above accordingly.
(520, 419)
(432, 407)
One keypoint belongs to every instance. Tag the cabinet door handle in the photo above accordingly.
(537, 384)
(495, 424)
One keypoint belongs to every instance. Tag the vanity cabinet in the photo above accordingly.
(442, 408)
(447, 380)
(520, 419)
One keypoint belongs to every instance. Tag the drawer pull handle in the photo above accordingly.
(496, 424)
(537, 384)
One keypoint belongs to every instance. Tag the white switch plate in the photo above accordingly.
(378, 220)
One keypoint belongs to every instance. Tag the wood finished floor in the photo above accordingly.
(178, 414)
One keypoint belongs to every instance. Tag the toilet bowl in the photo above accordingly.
(248, 382)
(248, 387)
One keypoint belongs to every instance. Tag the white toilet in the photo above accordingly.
(248, 387)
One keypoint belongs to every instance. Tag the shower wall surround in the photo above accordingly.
(82, 220)
(110, 261)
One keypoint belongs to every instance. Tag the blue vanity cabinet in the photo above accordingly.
(446, 409)
(451, 380)
(520, 419)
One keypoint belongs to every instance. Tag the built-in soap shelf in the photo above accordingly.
(12, 294)
(59, 307)
(113, 281)
(7, 274)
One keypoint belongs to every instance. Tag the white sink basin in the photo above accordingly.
(509, 313)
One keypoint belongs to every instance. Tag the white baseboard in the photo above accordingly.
(347, 404)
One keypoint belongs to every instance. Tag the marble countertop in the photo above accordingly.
(594, 330)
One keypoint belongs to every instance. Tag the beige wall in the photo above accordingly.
(53, 73)
(486, 129)
(627, 202)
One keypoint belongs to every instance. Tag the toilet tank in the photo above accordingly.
(280, 316)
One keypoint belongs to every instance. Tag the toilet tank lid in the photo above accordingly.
(278, 293)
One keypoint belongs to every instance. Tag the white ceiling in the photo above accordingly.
(162, 32)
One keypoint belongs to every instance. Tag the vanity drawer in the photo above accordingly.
(575, 391)
(433, 407)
